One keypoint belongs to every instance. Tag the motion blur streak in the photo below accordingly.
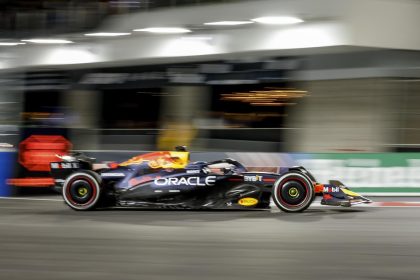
(44, 240)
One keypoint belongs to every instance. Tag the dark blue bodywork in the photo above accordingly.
(169, 180)
(195, 186)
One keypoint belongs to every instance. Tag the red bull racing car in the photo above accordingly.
(169, 180)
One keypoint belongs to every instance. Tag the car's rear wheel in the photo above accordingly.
(82, 191)
(293, 192)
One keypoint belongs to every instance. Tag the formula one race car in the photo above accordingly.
(169, 180)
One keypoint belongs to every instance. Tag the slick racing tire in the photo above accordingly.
(82, 191)
(293, 192)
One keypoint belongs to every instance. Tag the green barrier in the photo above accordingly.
(376, 173)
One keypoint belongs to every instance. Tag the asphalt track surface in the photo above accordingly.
(46, 240)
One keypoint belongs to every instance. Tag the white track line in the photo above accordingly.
(388, 194)
(379, 204)
(273, 206)
(34, 199)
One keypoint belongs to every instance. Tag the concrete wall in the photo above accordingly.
(409, 117)
(345, 115)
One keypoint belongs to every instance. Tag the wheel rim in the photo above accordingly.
(293, 193)
(81, 191)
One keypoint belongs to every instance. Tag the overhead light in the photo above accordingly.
(48, 41)
(228, 22)
(10, 44)
(107, 34)
(164, 30)
(278, 20)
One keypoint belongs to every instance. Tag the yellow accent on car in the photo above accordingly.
(248, 201)
(180, 159)
(82, 191)
(293, 192)
(348, 192)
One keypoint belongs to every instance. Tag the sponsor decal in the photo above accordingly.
(188, 181)
(332, 189)
(255, 178)
(248, 201)
(194, 171)
(64, 165)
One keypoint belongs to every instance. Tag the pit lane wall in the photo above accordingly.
(368, 173)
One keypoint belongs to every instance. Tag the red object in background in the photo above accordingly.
(35, 154)
(31, 182)
(37, 151)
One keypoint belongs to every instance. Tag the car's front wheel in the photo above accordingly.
(293, 192)
(82, 191)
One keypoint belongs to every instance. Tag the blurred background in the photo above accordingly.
(305, 76)
(333, 85)
(271, 76)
